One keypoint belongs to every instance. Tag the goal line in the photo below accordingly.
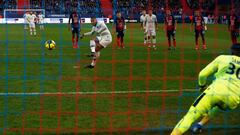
(93, 92)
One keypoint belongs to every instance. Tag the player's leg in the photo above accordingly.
(77, 36)
(99, 43)
(118, 40)
(203, 39)
(34, 29)
(234, 37)
(197, 128)
(174, 39)
(196, 39)
(30, 28)
(73, 37)
(145, 38)
(122, 39)
(149, 39)
(154, 40)
(202, 104)
(169, 39)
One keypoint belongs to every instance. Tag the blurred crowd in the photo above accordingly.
(129, 8)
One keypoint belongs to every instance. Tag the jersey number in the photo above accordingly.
(232, 70)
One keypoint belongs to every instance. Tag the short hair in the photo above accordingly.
(235, 49)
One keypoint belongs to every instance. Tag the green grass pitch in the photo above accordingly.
(131, 91)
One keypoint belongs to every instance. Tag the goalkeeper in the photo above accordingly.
(222, 94)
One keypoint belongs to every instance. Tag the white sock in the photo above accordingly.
(30, 31)
(200, 123)
(34, 31)
(154, 42)
(92, 46)
(97, 54)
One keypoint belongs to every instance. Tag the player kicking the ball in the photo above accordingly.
(75, 20)
(102, 40)
(223, 93)
(151, 27)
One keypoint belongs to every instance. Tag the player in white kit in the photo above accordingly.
(102, 40)
(41, 20)
(142, 21)
(25, 20)
(151, 27)
(31, 19)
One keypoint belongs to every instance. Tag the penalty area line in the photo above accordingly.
(93, 93)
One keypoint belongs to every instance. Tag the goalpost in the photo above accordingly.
(16, 15)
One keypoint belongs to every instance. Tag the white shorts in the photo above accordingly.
(151, 32)
(32, 25)
(41, 22)
(105, 40)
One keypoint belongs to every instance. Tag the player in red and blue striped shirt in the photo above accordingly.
(120, 28)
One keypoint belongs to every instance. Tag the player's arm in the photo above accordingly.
(207, 71)
(192, 23)
(88, 33)
(204, 23)
(174, 23)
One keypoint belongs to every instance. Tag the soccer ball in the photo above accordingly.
(50, 44)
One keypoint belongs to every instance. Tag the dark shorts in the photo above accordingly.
(76, 30)
(120, 34)
(199, 32)
(235, 33)
(170, 33)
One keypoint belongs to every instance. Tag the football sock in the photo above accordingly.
(73, 40)
(92, 46)
(76, 40)
(34, 31)
(118, 42)
(145, 38)
(169, 42)
(174, 42)
(30, 31)
(122, 44)
(154, 42)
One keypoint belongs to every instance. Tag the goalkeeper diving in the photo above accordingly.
(222, 94)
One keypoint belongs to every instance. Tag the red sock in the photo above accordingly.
(73, 40)
(76, 41)
(169, 42)
(234, 40)
(174, 43)
(122, 44)
(196, 42)
(204, 42)
(118, 42)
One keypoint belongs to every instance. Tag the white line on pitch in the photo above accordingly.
(96, 92)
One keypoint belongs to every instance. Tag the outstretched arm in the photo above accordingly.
(207, 71)
(89, 33)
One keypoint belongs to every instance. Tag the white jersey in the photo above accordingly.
(40, 18)
(101, 29)
(151, 22)
(31, 18)
(143, 19)
(25, 17)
